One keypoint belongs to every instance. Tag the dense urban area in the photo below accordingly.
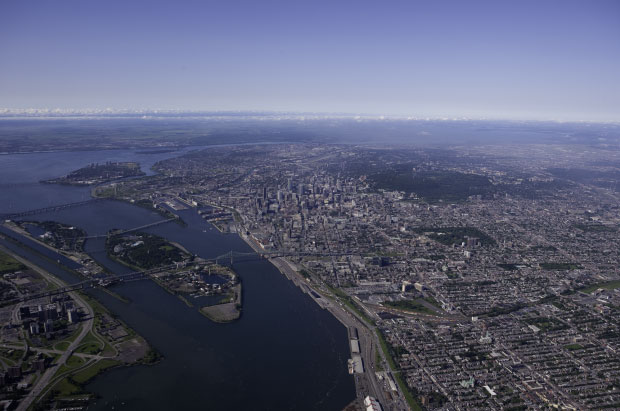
(481, 277)
(310, 205)
(472, 277)
(55, 338)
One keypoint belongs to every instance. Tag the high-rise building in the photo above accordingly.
(24, 312)
(48, 326)
(39, 365)
(71, 315)
(15, 371)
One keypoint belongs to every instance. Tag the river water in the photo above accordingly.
(284, 353)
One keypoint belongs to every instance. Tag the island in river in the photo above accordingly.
(205, 362)
(56, 235)
(99, 173)
(194, 280)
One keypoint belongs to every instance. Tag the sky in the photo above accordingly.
(541, 60)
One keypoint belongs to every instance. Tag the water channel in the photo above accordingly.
(284, 353)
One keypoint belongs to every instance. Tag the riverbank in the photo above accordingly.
(87, 270)
(16, 228)
(205, 363)
(95, 193)
(329, 299)
(290, 271)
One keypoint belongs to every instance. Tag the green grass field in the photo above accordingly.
(11, 356)
(62, 346)
(611, 285)
(90, 345)
(410, 305)
(72, 363)
(64, 388)
(72, 385)
(87, 374)
(8, 264)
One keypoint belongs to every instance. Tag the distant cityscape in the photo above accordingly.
(310, 205)
(490, 278)
(467, 277)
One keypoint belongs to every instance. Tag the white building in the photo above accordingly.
(372, 404)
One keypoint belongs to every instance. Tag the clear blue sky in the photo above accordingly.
(511, 59)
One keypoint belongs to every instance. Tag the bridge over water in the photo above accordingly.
(129, 230)
(12, 216)
(91, 283)
(230, 256)
(148, 274)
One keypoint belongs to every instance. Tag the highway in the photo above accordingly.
(49, 351)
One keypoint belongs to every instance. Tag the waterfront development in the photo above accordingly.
(316, 276)
(310, 206)
(279, 333)
(470, 278)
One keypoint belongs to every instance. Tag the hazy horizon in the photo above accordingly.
(554, 60)
(154, 114)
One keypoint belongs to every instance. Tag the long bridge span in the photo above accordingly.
(12, 216)
(90, 283)
(129, 230)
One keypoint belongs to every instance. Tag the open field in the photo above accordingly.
(8, 264)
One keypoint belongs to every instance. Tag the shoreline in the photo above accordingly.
(286, 268)
(350, 320)
(225, 312)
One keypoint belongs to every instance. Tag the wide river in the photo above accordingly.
(284, 353)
